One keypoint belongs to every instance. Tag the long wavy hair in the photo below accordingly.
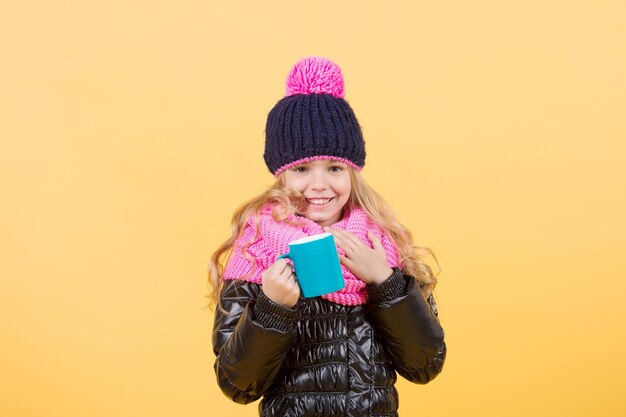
(288, 202)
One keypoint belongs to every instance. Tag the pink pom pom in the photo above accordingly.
(315, 75)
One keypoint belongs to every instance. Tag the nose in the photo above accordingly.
(318, 180)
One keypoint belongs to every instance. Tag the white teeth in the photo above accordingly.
(319, 200)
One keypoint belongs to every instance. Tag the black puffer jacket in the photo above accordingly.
(322, 358)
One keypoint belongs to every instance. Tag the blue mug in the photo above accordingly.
(316, 264)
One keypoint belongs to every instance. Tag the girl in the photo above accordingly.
(338, 354)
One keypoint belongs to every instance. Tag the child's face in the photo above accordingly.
(326, 186)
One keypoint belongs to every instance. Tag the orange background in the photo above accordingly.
(130, 131)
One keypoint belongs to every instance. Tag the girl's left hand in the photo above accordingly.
(368, 264)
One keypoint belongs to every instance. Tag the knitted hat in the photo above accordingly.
(313, 121)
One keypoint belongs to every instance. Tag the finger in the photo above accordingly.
(292, 281)
(343, 243)
(280, 266)
(375, 240)
(286, 272)
(345, 246)
(353, 238)
(345, 261)
(348, 236)
(339, 240)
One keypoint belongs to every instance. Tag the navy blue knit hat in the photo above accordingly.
(313, 121)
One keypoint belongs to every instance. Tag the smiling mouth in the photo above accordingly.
(319, 201)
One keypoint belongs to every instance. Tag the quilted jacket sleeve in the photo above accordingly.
(409, 325)
(251, 337)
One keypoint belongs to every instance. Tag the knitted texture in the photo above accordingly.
(315, 76)
(254, 252)
(313, 120)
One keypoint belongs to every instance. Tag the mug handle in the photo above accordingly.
(286, 255)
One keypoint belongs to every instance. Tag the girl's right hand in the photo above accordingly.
(279, 284)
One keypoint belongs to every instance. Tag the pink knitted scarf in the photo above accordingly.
(249, 262)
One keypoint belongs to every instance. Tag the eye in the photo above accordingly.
(336, 168)
(299, 169)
